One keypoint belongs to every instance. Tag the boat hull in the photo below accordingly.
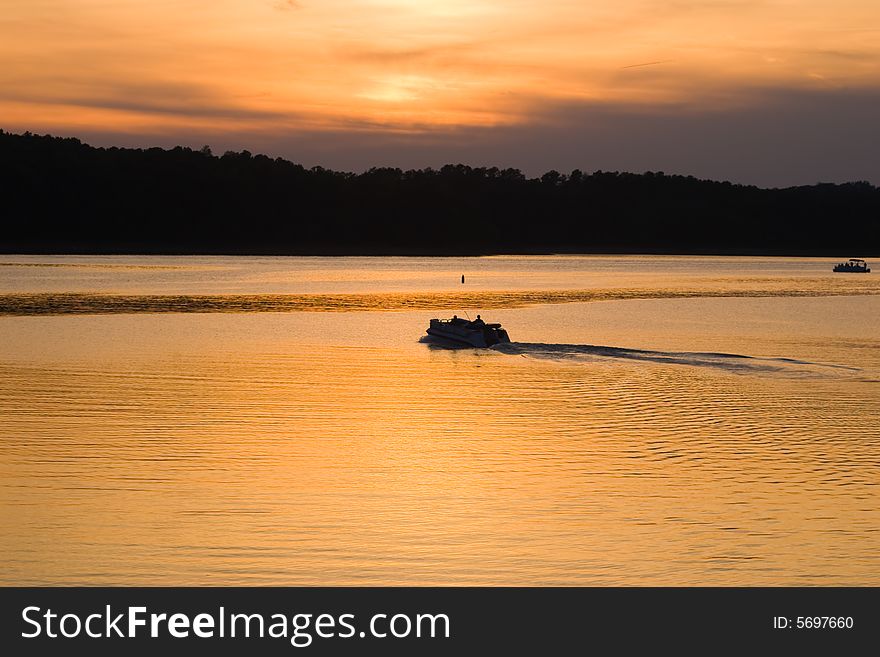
(474, 340)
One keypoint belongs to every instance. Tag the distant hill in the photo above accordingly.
(61, 195)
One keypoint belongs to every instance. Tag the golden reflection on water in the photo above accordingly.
(333, 448)
(72, 303)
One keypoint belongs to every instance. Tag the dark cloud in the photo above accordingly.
(172, 99)
(776, 138)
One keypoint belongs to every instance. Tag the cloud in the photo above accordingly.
(169, 99)
(662, 61)
(286, 5)
(780, 137)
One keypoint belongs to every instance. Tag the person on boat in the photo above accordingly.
(478, 321)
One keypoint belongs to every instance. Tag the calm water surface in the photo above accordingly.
(658, 420)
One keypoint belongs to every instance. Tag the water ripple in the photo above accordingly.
(67, 303)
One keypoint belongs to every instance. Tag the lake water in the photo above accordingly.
(657, 420)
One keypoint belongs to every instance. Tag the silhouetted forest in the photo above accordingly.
(61, 195)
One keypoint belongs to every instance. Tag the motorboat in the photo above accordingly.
(476, 333)
(853, 266)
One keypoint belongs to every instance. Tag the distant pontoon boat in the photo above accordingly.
(853, 266)
(475, 333)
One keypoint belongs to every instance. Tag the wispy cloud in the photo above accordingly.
(661, 61)
(286, 5)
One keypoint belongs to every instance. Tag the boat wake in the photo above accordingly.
(734, 363)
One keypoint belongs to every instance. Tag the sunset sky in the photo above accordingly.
(770, 92)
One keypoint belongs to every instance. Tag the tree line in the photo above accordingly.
(62, 195)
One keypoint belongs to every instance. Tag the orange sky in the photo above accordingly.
(398, 67)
